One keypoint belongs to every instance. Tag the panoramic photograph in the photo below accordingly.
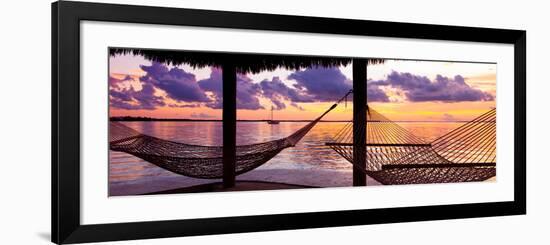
(427, 122)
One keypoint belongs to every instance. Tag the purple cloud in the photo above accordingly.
(115, 82)
(420, 88)
(181, 86)
(183, 106)
(330, 84)
(247, 91)
(277, 91)
(314, 84)
(202, 115)
(130, 99)
(278, 105)
(213, 84)
(322, 84)
(375, 94)
(178, 84)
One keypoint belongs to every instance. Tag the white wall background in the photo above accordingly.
(25, 103)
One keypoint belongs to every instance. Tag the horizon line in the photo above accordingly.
(142, 119)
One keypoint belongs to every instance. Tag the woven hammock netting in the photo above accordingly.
(393, 154)
(195, 160)
(396, 156)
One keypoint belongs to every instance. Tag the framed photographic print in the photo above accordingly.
(175, 122)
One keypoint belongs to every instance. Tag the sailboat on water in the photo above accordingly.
(271, 121)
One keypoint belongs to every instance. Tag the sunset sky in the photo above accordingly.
(401, 90)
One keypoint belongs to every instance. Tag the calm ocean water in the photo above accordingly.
(309, 154)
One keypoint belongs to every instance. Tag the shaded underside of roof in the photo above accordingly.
(244, 62)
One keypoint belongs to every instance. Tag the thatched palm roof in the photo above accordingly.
(245, 63)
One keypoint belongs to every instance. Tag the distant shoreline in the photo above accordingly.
(203, 120)
(148, 119)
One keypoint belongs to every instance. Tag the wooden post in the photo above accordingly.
(359, 120)
(229, 123)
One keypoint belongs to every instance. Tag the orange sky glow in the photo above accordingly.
(399, 103)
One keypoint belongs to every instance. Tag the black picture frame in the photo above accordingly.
(66, 18)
